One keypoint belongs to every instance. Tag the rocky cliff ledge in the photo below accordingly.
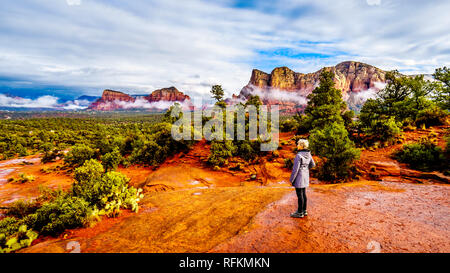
(350, 77)
(167, 94)
(114, 100)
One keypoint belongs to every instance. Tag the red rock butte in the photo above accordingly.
(114, 100)
(350, 77)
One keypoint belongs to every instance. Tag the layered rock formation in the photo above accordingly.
(111, 100)
(114, 100)
(167, 94)
(289, 89)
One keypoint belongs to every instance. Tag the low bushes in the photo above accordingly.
(423, 155)
(431, 116)
(107, 192)
(93, 193)
(78, 155)
(14, 236)
(220, 151)
(65, 212)
(339, 153)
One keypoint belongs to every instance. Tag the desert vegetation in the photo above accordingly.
(94, 193)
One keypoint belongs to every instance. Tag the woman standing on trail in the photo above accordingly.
(300, 176)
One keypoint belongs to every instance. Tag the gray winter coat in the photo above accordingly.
(300, 172)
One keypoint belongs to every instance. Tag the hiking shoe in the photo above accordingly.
(297, 215)
(305, 213)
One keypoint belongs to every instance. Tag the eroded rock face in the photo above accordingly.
(110, 101)
(114, 100)
(350, 77)
(167, 94)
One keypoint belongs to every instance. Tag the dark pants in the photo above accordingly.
(301, 195)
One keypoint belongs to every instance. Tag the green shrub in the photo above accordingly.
(9, 226)
(220, 152)
(288, 125)
(65, 212)
(431, 116)
(50, 156)
(150, 153)
(24, 178)
(107, 192)
(17, 237)
(22, 208)
(383, 129)
(248, 149)
(111, 161)
(332, 143)
(78, 155)
(423, 155)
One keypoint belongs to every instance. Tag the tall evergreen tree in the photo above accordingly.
(443, 92)
(325, 104)
(217, 93)
(329, 137)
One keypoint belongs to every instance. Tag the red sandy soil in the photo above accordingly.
(190, 208)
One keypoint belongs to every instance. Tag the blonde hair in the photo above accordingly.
(303, 144)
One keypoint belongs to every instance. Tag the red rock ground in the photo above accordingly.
(190, 208)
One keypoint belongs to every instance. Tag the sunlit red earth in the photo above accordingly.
(188, 207)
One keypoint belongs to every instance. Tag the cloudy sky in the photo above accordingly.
(72, 47)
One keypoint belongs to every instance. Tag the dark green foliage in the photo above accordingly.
(14, 235)
(253, 100)
(423, 155)
(157, 145)
(107, 192)
(50, 156)
(9, 226)
(329, 137)
(248, 150)
(217, 92)
(288, 125)
(111, 160)
(407, 101)
(65, 212)
(332, 143)
(385, 129)
(325, 104)
(220, 152)
(431, 116)
(78, 155)
(442, 95)
(101, 132)
(22, 208)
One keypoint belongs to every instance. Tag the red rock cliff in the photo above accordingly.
(114, 100)
(167, 94)
(350, 77)
(110, 101)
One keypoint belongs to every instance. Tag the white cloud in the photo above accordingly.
(278, 95)
(73, 2)
(47, 102)
(16, 102)
(139, 46)
(373, 2)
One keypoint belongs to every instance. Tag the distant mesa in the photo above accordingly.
(289, 89)
(167, 94)
(112, 100)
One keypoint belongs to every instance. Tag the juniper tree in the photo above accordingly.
(217, 92)
(329, 137)
(443, 92)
